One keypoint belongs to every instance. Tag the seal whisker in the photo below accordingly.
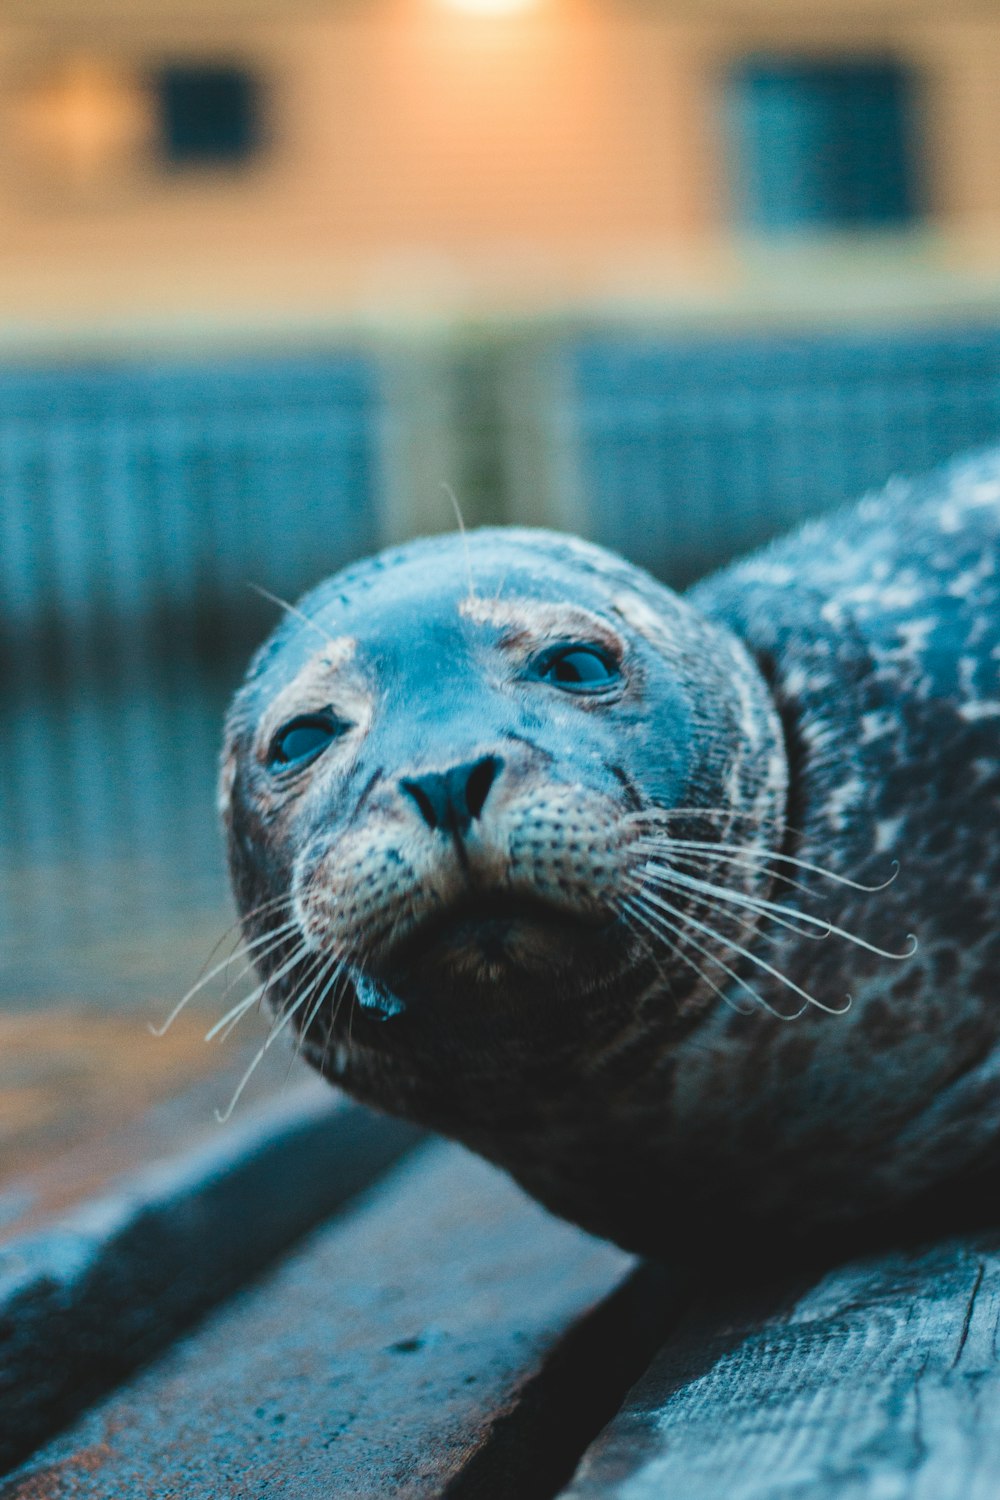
(271, 1037)
(327, 975)
(272, 940)
(655, 876)
(669, 933)
(292, 609)
(266, 937)
(659, 877)
(660, 933)
(752, 853)
(312, 963)
(462, 532)
(351, 1008)
(311, 981)
(700, 856)
(277, 1027)
(238, 928)
(226, 1023)
(343, 979)
(660, 926)
(224, 1028)
(720, 963)
(259, 949)
(333, 975)
(786, 916)
(753, 958)
(698, 860)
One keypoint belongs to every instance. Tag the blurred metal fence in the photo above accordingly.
(145, 494)
(687, 453)
(137, 502)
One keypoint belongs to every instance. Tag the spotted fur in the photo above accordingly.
(710, 1028)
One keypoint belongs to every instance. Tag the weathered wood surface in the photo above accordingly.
(879, 1382)
(91, 1287)
(429, 1342)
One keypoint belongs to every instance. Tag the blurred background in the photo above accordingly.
(274, 272)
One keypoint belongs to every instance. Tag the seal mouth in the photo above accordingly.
(495, 927)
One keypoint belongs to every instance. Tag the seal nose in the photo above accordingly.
(451, 800)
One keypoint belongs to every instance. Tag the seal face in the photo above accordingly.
(581, 873)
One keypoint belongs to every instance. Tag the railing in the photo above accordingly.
(132, 496)
(690, 453)
(136, 503)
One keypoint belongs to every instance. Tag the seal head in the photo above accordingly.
(440, 783)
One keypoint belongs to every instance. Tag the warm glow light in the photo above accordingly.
(83, 119)
(490, 7)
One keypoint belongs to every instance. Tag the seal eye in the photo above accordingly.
(579, 669)
(302, 739)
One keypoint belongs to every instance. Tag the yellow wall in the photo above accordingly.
(425, 161)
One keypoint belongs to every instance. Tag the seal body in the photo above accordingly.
(621, 888)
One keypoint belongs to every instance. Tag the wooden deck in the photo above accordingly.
(316, 1302)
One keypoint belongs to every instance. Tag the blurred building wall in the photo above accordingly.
(457, 198)
(417, 158)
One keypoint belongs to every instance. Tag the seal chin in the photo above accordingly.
(490, 938)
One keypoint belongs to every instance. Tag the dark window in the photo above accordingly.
(824, 144)
(209, 113)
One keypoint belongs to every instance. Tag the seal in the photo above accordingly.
(684, 910)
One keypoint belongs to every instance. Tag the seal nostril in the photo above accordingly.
(428, 811)
(479, 782)
(452, 800)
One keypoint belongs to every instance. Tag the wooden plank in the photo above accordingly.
(879, 1382)
(427, 1343)
(90, 1291)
